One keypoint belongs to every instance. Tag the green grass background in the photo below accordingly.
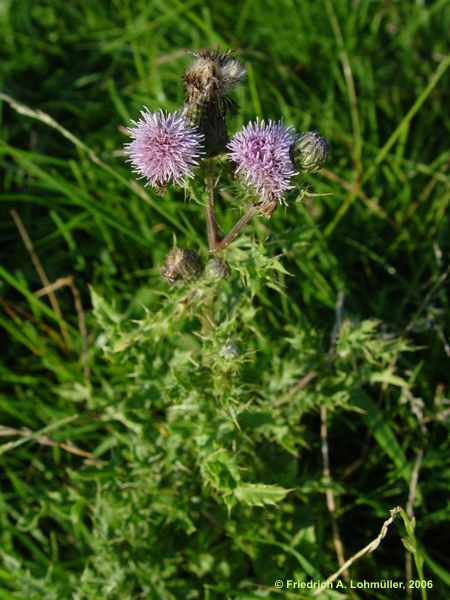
(162, 504)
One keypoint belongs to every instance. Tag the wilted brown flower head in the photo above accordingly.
(212, 74)
(181, 264)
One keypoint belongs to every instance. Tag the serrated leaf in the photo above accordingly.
(260, 494)
(389, 378)
(103, 311)
(220, 471)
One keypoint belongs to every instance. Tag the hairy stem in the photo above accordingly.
(211, 223)
(215, 244)
(236, 229)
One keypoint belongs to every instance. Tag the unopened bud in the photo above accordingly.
(309, 152)
(216, 268)
(181, 264)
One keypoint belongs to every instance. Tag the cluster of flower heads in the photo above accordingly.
(167, 147)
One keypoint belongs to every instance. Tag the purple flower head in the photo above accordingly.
(164, 147)
(261, 152)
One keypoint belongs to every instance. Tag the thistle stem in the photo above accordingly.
(211, 224)
(215, 244)
(236, 229)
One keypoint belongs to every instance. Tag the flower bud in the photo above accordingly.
(309, 152)
(181, 264)
(216, 268)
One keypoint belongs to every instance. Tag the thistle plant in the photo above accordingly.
(262, 411)
(169, 148)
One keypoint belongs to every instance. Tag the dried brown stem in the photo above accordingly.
(339, 547)
(42, 275)
(369, 548)
(44, 440)
(69, 282)
(15, 312)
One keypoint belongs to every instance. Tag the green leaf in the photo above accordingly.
(220, 471)
(436, 568)
(260, 494)
(104, 312)
(389, 378)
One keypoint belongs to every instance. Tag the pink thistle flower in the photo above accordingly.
(164, 147)
(262, 153)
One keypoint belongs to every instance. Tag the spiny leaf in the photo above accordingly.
(260, 494)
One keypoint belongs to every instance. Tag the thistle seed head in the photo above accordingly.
(232, 71)
(164, 148)
(261, 152)
(309, 152)
(208, 79)
(212, 74)
(181, 264)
